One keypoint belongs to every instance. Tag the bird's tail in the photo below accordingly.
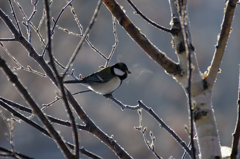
(73, 81)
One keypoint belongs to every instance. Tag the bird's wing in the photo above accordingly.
(95, 77)
(99, 76)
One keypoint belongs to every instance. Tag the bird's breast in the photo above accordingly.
(107, 87)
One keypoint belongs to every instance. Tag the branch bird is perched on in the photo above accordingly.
(106, 80)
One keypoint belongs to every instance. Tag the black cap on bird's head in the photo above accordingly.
(120, 69)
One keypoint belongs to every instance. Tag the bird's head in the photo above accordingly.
(120, 69)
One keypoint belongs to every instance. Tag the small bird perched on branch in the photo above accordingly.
(106, 80)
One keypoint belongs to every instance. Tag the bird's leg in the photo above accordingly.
(108, 95)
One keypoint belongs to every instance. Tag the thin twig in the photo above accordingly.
(5, 153)
(28, 22)
(76, 18)
(87, 41)
(15, 17)
(116, 41)
(37, 30)
(80, 28)
(59, 98)
(8, 39)
(236, 134)
(11, 128)
(70, 63)
(20, 66)
(147, 19)
(156, 117)
(81, 33)
(94, 48)
(184, 153)
(143, 130)
(59, 15)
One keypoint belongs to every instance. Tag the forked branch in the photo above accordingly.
(156, 117)
(158, 56)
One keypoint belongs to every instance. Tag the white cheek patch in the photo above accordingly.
(118, 72)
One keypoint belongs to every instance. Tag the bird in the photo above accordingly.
(106, 80)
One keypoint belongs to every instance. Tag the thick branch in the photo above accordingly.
(222, 41)
(158, 56)
(199, 95)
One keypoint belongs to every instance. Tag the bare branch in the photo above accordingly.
(20, 66)
(156, 117)
(59, 98)
(87, 41)
(15, 17)
(222, 41)
(147, 19)
(6, 39)
(28, 110)
(83, 38)
(7, 153)
(59, 15)
(81, 34)
(81, 31)
(236, 134)
(22, 90)
(158, 56)
(4, 103)
(28, 22)
(11, 128)
(116, 41)
(143, 130)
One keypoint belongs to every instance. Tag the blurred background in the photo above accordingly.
(148, 82)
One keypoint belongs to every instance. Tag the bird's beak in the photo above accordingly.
(129, 72)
